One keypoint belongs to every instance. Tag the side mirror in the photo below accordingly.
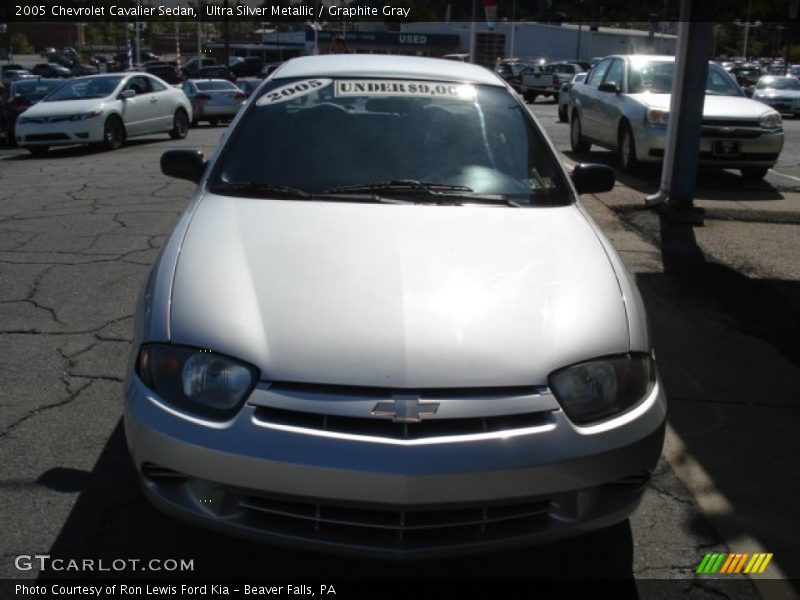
(593, 179)
(609, 87)
(183, 164)
(127, 94)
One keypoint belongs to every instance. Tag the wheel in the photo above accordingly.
(530, 97)
(575, 138)
(113, 133)
(213, 122)
(180, 125)
(562, 114)
(754, 172)
(626, 150)
(38, 151)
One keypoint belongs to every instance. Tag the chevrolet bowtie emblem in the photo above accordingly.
(405, 408)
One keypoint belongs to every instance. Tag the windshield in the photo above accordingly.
(81, 89)
(320, 134)
(787, 83)
(657, 77)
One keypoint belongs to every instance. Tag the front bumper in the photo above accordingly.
(756, 147)
(59, 133)
(367, 495)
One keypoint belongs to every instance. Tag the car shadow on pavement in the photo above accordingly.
(84, 150)
(111, 520)
(728, 352)
(712, 184)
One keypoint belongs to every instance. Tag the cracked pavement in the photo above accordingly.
(78, 231)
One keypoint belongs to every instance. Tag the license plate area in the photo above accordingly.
(726, 148)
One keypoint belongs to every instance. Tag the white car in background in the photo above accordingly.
(104, 110)
(780, 92)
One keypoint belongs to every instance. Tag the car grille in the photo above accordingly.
(504, 411)
(399, 528)
(731, 123)
(379, 427)
(46, 137)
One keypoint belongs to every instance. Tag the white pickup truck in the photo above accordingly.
(546, 80)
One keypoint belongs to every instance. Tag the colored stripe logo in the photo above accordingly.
(733, 563)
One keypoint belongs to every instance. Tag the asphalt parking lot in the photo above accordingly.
(78, 230)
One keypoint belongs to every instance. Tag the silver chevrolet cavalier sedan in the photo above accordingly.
(385, 325)
(624, 103)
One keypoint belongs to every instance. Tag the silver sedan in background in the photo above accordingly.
(213, 100)
(385, 325)
(624, 105)
(781, 93)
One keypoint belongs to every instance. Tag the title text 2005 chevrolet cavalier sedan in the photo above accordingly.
(385, 325)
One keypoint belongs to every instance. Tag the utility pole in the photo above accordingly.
(227, 41)
(514, 27)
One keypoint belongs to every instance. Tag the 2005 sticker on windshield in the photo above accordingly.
(418, 89)
(291, 91)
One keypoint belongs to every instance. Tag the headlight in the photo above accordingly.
(771, 120)
(657, 116)
(200, 381)
(87, 115)
(602, 388)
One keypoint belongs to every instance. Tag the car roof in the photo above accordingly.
(373, 65)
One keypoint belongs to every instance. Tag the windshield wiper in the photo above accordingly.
(261, 190)
(438, 193)
(265, 190)
(401, 185)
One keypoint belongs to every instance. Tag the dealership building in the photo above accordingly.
(522, 39)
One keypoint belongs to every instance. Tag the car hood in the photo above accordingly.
(715, 107)
(64, 108)
(396, 295)
(793, 94)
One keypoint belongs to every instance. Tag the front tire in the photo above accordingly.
(576, 140)
(562, 114)
(180, 125)
(754, 173)
(627, 150)
(113, 133)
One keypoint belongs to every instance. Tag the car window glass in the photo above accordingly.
(598, 72)
(207, 86)
(156, 85)
(139, 84)
(357, 132)
(614, 73)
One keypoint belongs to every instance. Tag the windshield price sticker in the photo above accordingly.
(417, 89)
(293, 90)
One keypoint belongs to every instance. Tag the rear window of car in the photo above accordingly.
(315, 134)
(207, 86)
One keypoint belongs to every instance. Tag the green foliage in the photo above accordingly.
(21, 44)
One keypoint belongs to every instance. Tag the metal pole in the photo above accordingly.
(472, 35)
(199, 34)
(138, 37)
(578, 49)
(513, 26)
(747, 28)
(695, 37)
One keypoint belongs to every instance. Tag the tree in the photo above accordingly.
(19, 41)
